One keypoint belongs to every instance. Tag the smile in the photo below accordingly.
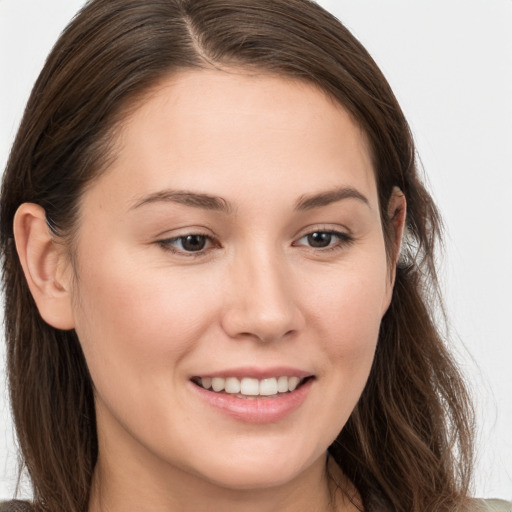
(248, 387)
(266, 399)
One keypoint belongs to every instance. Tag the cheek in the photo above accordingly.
(346, 314)
(352, 299)
(133, 319)
(343, 325)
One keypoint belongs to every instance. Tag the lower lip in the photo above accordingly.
(258, 410)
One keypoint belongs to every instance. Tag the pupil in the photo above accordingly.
(193, 242)
(319, 239)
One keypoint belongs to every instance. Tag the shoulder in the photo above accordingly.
(491, 506)
(15, 506)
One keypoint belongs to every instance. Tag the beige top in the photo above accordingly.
(493, 506)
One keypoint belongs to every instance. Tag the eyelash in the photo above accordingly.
(344, 240)
(167, 245)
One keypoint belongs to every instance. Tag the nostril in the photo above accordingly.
(262, 308)
(268, 336)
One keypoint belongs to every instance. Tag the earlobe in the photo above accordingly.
(45, 265)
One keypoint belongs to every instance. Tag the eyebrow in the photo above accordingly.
(328, 197)
(216, 203)
(194, 199)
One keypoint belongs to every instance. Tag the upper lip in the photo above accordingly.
(257, 373)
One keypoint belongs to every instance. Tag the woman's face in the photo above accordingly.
(235, 240)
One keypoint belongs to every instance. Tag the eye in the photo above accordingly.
(324, 239)
(192, 243)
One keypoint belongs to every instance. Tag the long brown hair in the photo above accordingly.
(408, 444)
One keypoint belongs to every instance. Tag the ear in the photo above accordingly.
(397, 212)
(46, 266)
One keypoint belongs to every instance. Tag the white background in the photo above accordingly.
(450, 65)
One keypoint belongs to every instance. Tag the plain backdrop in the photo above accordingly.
(450, 65)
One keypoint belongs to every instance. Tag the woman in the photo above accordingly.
(210, 301)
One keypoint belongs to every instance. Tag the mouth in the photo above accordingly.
(251, 388)
(255, 395)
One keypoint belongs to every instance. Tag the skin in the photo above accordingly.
(150, 315)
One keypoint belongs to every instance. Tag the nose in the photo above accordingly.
(261, 302)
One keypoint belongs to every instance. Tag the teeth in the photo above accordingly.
(282, 384)
(218, 383)
(268, 387)
(249, 386)
(293, 382)
(232, 385)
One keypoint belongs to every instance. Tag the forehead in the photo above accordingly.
(203, 128)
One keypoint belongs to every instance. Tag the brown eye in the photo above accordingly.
(192, 243)
(325, 240)
(319, 239)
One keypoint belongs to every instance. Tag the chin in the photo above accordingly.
(263, 472)
(243, 479)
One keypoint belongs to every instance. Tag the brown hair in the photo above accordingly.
(408, 444)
